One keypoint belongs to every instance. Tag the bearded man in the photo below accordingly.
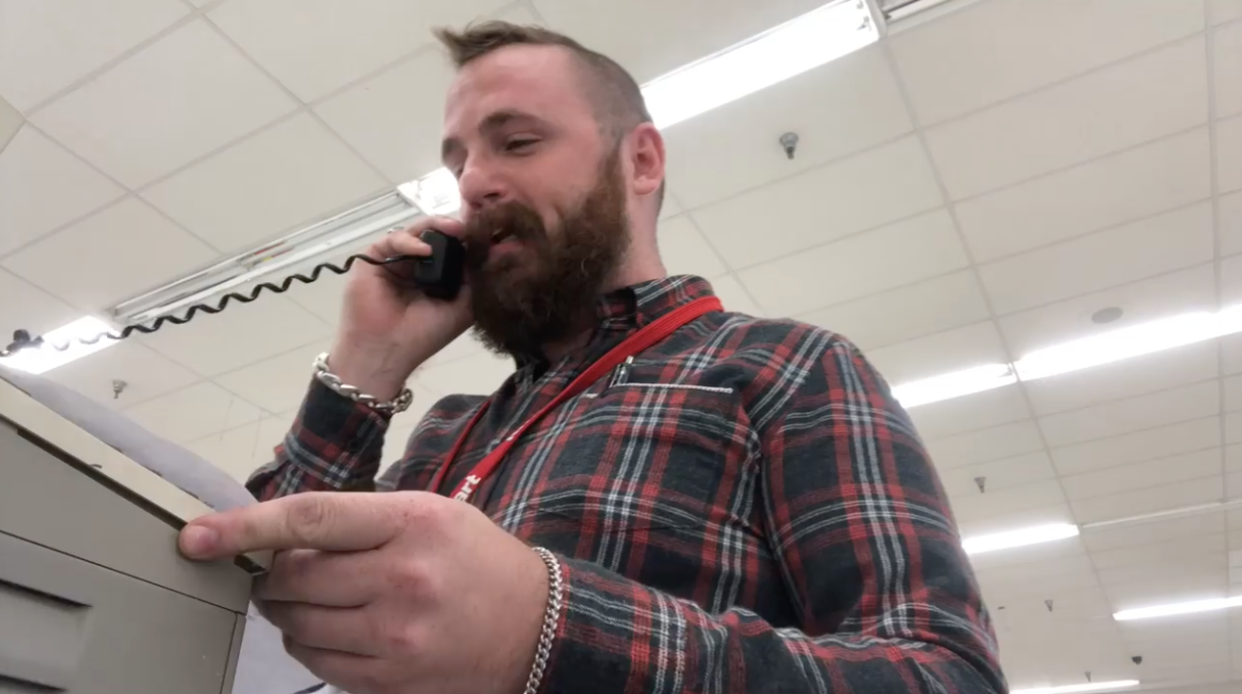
(663, 497)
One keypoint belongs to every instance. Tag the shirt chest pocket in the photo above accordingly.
(645, 456)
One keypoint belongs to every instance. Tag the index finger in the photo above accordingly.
(331, 521)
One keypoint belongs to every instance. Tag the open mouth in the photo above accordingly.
(500, 235)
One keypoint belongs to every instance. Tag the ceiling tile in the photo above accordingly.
(291, 174)
(670, 207)
(1229, 154)
(884, 258)
(1161, 498)
(1113, 190)
(985, 445)
(316, 46)
(277, 384)
(685, 31)
(736, 297)
(1013, 520)
(952, 350)
(146, 375)
(325, 297)
(234, 451)
(1172, 531)
(10, 122)
(97, 262)
(256, 331)
(1233, 427)
(1124, 379)
(998, 474)
(1170, 241)
(153, 112)
(1144, 412)
(1221, 11)
(1105, 111)
(192, 413)
(1229, 221)
(685, 251)
(1144, 475)
(42, 187)
(1233, 458)
(1231, 353)
(480, 374)
(395, 118)
(1167, 295)
(1147, 444)
(1070, 572)
(1233, 485)
(877, 187)
(995, 50)
(970, 412)
(736, 147)
(1227, 67)
(45, 46)
(907, 312)
(1231, 280)
(1233, 393)
(999, 502)
(26, 307)
(272, 432)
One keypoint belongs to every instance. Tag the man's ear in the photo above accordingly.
(647, 159)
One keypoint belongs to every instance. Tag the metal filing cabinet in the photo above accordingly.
(94, 598)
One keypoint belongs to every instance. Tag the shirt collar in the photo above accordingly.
(639, 304)
(629, 308)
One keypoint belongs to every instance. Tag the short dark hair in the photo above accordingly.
(615, 96)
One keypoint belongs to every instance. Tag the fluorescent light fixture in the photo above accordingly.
(437, 193)
(1080, 688)
(1019, 538)
(46, 357)
(1134, 341)
(1177, 608)
(350, 228)
(815, 38)
(954, 385)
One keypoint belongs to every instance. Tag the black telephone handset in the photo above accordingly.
(438, 275)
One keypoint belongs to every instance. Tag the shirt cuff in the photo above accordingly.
(603, 642)
(340, 440)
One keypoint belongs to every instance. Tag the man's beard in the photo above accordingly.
(546, 290)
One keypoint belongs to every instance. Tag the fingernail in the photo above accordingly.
(198, 540)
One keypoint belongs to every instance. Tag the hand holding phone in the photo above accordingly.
(391, 321)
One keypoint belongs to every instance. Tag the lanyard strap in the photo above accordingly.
(652, 333)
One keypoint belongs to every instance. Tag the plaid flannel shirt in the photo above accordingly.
(747, 510)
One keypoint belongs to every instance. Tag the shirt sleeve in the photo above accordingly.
(871, 558)
(335, 444)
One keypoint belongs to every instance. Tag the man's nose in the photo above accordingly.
(481, 188)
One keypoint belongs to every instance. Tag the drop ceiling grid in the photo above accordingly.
(734, 276)
(1112, 635)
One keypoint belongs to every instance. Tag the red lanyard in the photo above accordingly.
(657, 330)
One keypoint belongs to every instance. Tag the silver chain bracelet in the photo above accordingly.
(401, 403)
(551, 617)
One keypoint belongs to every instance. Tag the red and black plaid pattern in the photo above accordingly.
(747, 509)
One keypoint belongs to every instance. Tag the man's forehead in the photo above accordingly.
(522, 77)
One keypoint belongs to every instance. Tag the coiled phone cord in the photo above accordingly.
(23, 340)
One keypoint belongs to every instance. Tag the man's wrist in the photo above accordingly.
(380, 372)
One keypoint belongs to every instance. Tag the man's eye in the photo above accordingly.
(519, 144)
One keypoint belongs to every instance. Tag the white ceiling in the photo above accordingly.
(972, 188)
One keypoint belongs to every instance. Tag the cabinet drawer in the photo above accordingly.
(67, 625)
